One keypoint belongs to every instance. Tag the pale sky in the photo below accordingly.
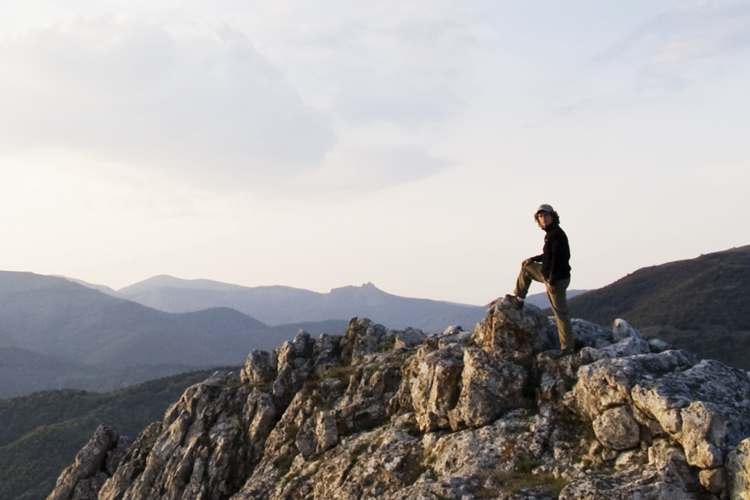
(320, 143)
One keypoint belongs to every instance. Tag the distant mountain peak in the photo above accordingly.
(162, 279)
(368, 287)
(95, 286)
(169, 281)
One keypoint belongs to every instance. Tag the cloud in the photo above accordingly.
(383, 63)
(682, 46)
(206, 105)
(368, 168)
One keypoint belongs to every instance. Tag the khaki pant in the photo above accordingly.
(557, 298)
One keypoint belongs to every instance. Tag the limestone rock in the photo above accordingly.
(663, 453)
(410, 337)
(434, 386)
(198, 450)
(646, 484)
(488, 389)
(738, 471)
(132, 464)
(586, 333)
(260, 368)
(658, 345)
(362, 337)
(453, 335)
(702, 407)
(93, 465)
(295, 363)
(629, 459)
(495, 413)
(616, 428)
(513, 335)
(712, 479)
(622, 330)
(452, 330)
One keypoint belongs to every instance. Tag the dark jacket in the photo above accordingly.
(556, 254)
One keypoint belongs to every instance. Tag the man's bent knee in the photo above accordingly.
(532, 270)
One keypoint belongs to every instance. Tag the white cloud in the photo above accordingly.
(403, 64)
(206, 105)
(354, 169)
(685, 45)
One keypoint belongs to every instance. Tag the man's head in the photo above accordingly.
(546, 216)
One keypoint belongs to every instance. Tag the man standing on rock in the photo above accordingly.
(552, 268)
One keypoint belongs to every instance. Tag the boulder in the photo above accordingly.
(616, 428)
(404, 339)
(202, 435)
(586, 333)
(433, 381)
(93, 465)
(362, 337)
(701, 407)
(658, 345)
(514, 335)
(622, 330)
(453, 335)
(489, 388)
(259, 368)
(738, 471)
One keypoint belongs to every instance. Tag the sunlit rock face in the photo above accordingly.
(495, 412)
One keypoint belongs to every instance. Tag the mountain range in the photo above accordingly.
(281, 304)
(57, 333)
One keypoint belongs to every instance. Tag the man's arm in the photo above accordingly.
(536, 258)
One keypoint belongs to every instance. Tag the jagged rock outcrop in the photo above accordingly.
(94, 463)
(702, 406)
(491, 413)
(739, 471)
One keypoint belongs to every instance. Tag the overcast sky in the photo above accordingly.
(325, 143)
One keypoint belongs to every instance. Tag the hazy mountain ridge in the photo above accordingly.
(94, 339)
(282, 304)
(71, 335)
(23, 371)
(171, 294)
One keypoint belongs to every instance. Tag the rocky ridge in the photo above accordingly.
(492, 413)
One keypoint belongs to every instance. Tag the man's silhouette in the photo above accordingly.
(552, 268)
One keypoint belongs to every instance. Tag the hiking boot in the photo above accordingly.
(516, 302)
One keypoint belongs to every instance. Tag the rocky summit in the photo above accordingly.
(492, 413)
